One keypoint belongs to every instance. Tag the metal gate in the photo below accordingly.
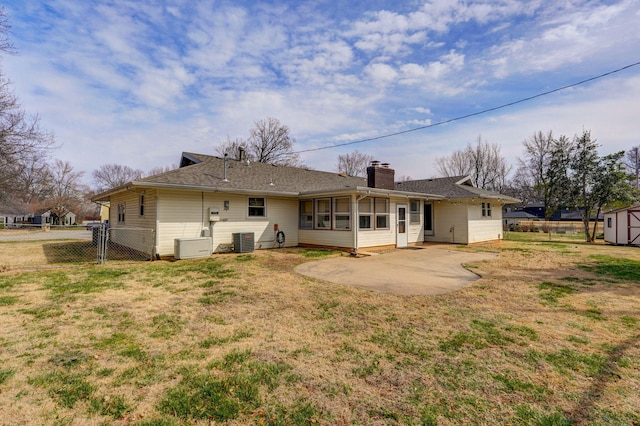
(123, 243)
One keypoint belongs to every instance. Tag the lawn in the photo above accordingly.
(549, 336)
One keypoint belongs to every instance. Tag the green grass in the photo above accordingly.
(550, 292)
(65, 387)
(317, 253)
(8, 300)
(236, 388)
(228, 341)
(6, 374)
(616, 267)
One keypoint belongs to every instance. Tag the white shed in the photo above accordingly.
(622, 226)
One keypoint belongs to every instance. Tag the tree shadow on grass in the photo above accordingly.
(609, 373)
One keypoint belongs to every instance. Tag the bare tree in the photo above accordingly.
(232, 148)
(632, 162)
(21, 138)
(271, 142)
(529, 182)
(354, 163)
(483, 162)
(67, 190)
(160, 169)
(110, 176)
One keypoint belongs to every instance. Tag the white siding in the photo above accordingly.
(186, 214)
(322, 237)
(610, 232)
(450, 223)
(483, 228)
(141, 241)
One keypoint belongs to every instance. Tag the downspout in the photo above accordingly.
(355, 225)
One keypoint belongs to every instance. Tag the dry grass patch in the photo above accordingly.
(550, 335)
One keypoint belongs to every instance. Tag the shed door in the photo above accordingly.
(633, 226)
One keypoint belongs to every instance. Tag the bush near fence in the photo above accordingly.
(555, 227)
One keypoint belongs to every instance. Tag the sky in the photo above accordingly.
(138, 82)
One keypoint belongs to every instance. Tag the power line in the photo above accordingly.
(462, 117)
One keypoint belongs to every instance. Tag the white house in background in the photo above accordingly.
(216, 198)
(622, 226)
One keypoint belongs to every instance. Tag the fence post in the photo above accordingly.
(102, 244)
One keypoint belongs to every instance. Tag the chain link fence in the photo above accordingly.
(32, 247)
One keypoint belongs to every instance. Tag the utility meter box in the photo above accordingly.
(214, 214)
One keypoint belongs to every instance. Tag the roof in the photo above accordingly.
(633, 207)
(452, 187)
(519, 214)
(208, 173)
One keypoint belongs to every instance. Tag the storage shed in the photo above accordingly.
(622, 226)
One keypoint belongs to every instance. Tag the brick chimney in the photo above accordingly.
(380, 176)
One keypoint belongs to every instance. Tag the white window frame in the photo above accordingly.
(141, 205)
(345, 216)
(263, 207)
(324, 215)
(367, 214)
(302, 224)
(382, 214)
(122, 210)
(413, 214)
(486, 209)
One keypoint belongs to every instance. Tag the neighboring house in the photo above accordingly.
(217, 197)
(622, 226)
(514, 217)
(47, 217)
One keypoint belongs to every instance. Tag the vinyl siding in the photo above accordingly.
(128, 233)
(618, 225)
(449, 223)
(322, 237)
(484, 228)
(186, 214)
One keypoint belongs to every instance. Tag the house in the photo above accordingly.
(216, 198)
(622, 226)
(464, 215)
(46, 216)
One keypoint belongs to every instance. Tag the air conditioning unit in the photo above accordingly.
(243, 242)
(191, 248)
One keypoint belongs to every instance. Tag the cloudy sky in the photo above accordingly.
(138, 82)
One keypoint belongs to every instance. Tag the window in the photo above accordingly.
(257, 207)
(486, 209)
(141, 205)
(323, 213)
(342, 213)
(414, 212)
(608, 222)
(365, 213)
(373, 213)
(382, 213)
(306, 214)
(121, 212)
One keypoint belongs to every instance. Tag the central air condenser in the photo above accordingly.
(191, 248)
(243, 242)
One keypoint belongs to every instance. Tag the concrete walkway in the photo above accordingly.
(433, 269)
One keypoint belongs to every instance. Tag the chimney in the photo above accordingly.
(241, 154)
(380, 176)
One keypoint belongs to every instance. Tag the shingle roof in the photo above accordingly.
(207, 171)
(451, 187)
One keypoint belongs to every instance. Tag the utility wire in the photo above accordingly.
(462, 117)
